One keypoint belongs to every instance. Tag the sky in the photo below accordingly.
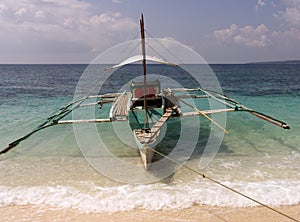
(76, 31)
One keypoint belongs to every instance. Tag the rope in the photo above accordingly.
(171, 53)
(203, 114)
(225, 186)
(179, 61)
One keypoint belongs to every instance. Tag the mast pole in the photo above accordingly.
(144, 69)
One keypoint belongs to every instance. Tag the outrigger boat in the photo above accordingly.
(147, 107)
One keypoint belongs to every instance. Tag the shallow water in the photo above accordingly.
(48, 168)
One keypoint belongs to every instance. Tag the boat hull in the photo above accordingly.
(147, 143)
(148, 139)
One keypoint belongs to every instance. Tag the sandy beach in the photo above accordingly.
(195, 213)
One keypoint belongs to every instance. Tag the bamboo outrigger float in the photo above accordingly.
(147, 107)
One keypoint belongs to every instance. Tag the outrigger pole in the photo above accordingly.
(51, 121)
(234, 105)
(56, 119)
(239, 107)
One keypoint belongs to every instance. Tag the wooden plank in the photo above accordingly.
(149, 137)
(119, 109)
(156, 127)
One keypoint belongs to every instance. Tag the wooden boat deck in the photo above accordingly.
(120, 109)
(150, 136)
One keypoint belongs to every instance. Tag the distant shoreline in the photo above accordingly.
(287, 62)
(277, 62)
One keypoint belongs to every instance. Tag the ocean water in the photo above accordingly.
(255, 157)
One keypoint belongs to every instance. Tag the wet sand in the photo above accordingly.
(195, 213)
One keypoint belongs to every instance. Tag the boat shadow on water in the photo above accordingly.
(173, 155)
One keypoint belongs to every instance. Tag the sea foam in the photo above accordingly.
(92, 198)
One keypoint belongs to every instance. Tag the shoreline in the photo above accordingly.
(194, 213)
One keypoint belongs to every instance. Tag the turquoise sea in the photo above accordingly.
(255, 157)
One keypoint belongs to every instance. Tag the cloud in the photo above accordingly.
(59, 22)
(291, 13)
(288, 37)
(260, 4)
(246, 36)
(40, 14)
(104, 18)
(288, 33)
(21, 11)
(60, 4)
(3, 7)
(117, 1)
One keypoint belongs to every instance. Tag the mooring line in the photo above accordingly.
(225, 186)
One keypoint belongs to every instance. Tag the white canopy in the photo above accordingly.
(138, 58)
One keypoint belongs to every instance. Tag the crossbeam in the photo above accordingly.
(83, 121)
